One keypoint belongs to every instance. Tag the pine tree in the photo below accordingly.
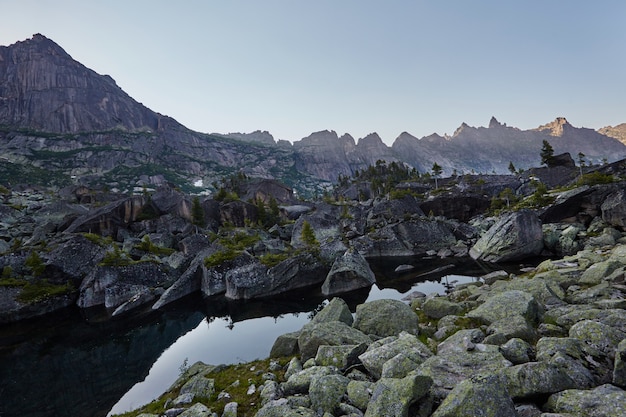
(436, 172)
(512, 169)
(547, 153)
(308, 236)
(197, 212)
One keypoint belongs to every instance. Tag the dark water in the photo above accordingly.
(69, 364)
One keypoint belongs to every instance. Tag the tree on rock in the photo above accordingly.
(581, 162)
(512, 169)
(197, 212)
(436, 172)
(547, 153)
(308, 236)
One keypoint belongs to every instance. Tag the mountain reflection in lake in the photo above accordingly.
(66, 365)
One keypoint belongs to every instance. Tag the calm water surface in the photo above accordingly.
(75, 365)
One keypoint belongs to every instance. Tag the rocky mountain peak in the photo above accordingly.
(618, 132)
(460, 129)
(494, 123)
(257, 136)
(556, 127)
(43, 88)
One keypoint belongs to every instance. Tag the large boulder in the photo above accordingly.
(349, 272)
(508, 304)
(333, 333)
(112, 286)
(252, 279)
(605, 400)
(380, 352)
(614, 209)
(406, 238)
(392, 397)
(385, 318)
(477, 396)
(514, 236)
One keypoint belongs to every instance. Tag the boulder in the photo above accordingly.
(341, 357)
(285, 345)
(517, 351)
(333, 333)
(335, 310)
(111, 286)
(614, 209)
(385, 318)
(438, 307)
(349, 272)
(253, 280)
(299, 383)
(619, 369)
(605, 400)
(500, 331)
(392, 397)
(508, 304)
(514, 236)
(327, 392)
(597, 335)
(478, 396)
(375, 358)
(536, 378)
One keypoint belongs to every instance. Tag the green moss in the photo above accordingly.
(273, 259)
(99, 240)
(146, 245)
(41, 290)
(219, 257)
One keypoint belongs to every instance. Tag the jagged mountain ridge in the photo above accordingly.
(62, 122)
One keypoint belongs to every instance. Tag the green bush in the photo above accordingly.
(146, 245)
(35, 263)
(595, 178)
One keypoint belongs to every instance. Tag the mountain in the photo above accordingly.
(62, 123)
(618, 132)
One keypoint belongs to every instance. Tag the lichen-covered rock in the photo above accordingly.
(375, 357)
(605, 400)
(478, 396)
(517, 351)
(535, 378)
(281, 408)
(392, 397)
(499, 332)
(300, 382)
(598, 271)
(199, 386)
(196, 410)
(326, 393)
(597, 335)
(438, 307)
(619, 369)
(514, 236)
(508, 304)
(349, 272)
(385, 318)
(333, 333)
(285, 345)
(339, 356)
(360, 393)
(335, 310)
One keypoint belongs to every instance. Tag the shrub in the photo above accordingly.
(594, 178)
(273, 259)
(35, 263)
(219, 257)
(42, 290)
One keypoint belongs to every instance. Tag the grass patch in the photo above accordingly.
(220, 257)
(273, 259)
(146, 245)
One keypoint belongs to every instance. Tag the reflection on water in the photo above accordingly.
(68, 366)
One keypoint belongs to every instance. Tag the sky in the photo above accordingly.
(295, 67)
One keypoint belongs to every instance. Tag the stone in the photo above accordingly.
(514, 236)
(333, 333)
(477, 396)
(285, 345)
(516, 350)
(269, 392)
(536, 378)
(614, 209)
(508, 304)
(438, 307)
(281, 408)
(499, 332)
(385, 318)
(392, 397)
(230, 409)
(597, 335)
(196, 410)
(341, 357)
(605, 400)
(335, 310)
(300, 382)
(326, 393)
(349, 272)
(619, 368)
(199, 386)
(360, 393)
(375, 358)
(598, 271)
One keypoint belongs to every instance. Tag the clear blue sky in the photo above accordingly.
(354, 66)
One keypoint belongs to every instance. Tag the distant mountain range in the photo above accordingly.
(62, 123)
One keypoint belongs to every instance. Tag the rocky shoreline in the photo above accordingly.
(549, 342)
